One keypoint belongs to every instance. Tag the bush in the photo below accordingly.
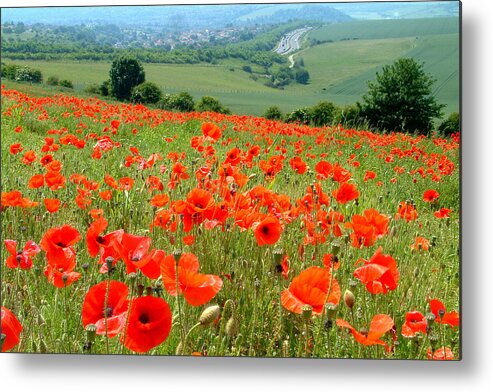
(323, 113)
(125, 74)
(9, 71)
(401, 99)
(66, 83)
(146, 92)
(52, 81)
(211, 104)
(247, 68)
(450, 125)
(303, 116)
(302, 76)
(350, 117)
(273, 113)
(105, 88)
(28, 74)
(92, 88)
(182, 102)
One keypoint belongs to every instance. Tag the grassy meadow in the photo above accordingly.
(289, 241)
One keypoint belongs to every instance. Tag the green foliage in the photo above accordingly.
(323, 113)
(400, 99)
(53, 81)
(273, 113)
(125, 74)
(147, 92)
(9, 71)
(211, 104)
(302, 116)
(302, 76)
(350, 117)
(66, 83)
(105, 88)
(247, 68)
(28, 74)
(450, 125)
(182, 102)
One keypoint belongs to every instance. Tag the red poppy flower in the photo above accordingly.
(268, 231)
(442, 354)
(345, 193)
(197, 288)
(102, 304)
(60, 268)
(441, 315)
(406, 211)
(211, 130)
(430, 196)
(58, 238)
(379, 274)
(16, 148)
(150, 264)
(149, 324)
(11, 328)
(324, 170)
(126, 183)
(105, 195)
(189, 240)
(442, 213)
(415, 322)
(132, 249)
(379, 325)
(110, 181)
(298, 165)
(369, 175)
(29, 157)
(367, 228)
(310, 287)
(36, 181)
(22, 258)
(420, 243)
(199, 206)
(52, 205)
(160, 200)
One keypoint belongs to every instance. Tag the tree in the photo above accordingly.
(125, 74)
(210, 104)
(302, 76)
(273, 113)
(323, 113)
(401, 99)
(146, 92)
(450, 125)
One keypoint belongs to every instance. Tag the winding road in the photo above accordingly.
(290, 42)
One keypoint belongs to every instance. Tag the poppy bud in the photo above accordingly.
(132, 276)
(158, 286)
(148, 290)
(232, 327)
(2, 339)
(335, 248)
(430, 318)
(177, 254)
(209, 315)
(330, 310)
(140, 290)
(109, 263)
(91, 332)
(85, 266)
(433, 338)
(306, 312)
(349, 299)
(278, 253)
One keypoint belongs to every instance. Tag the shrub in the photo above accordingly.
(105, 88)
(303, 116)
(66, 83)
(9, 71)
(302, 76)
(323, 113)
(182, 102)
(52, 81)
(92, 88)
(28, 74)
(125, 74)
(211, 104)
(450, 125)
(147, 92)
(247, 68)
(273, 113)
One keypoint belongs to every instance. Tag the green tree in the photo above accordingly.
(66, 83)
(323, 113)
(125, 74)
(401, 99)
(302, 76)
(53, 81)
(273, 113)
(146, 92)
(450, 125)
(211, 104)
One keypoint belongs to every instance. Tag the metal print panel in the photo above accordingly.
(261, 180)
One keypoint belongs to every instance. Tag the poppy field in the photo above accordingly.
(131, 230)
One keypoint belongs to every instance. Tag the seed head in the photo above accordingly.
(349, 299)
(209, 315)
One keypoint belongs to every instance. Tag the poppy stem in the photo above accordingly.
(178, 304)
(107, 339)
